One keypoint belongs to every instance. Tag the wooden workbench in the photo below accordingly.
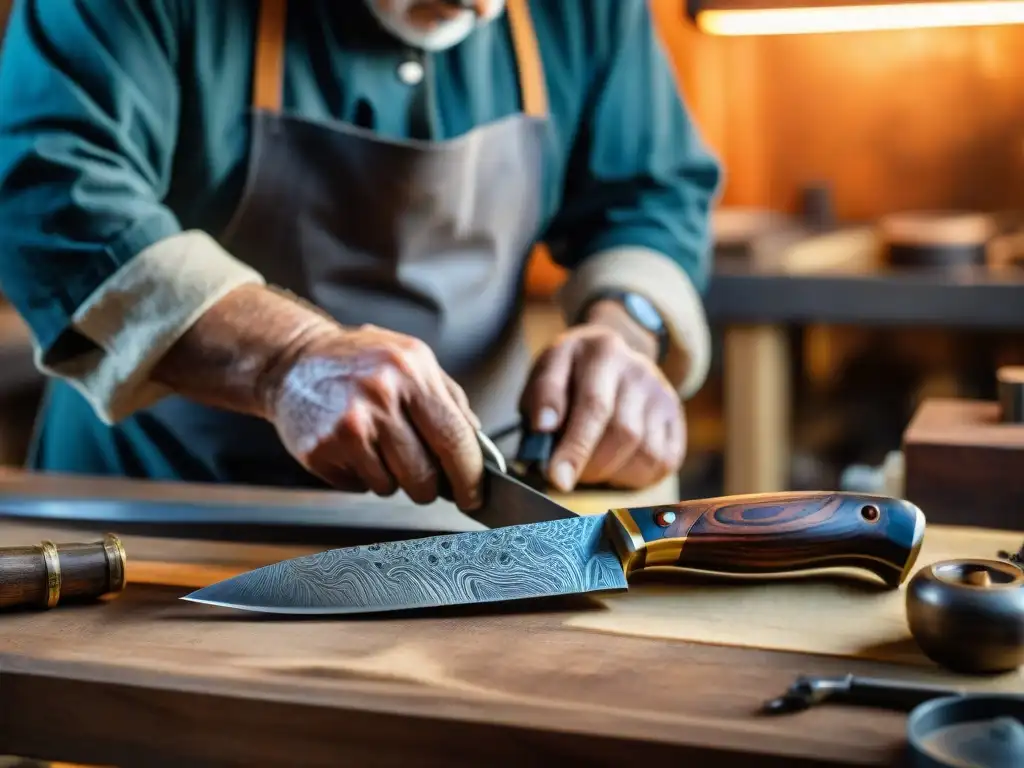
(148, 680)
(832, 280)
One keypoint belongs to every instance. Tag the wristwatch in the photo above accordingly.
(642, 311)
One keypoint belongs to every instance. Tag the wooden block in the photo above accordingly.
(964, 466)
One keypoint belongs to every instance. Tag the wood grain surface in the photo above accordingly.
(494, 689)
(776, 533)
(22, 577)
(154, 681)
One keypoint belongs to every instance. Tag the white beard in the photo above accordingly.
(445, 34)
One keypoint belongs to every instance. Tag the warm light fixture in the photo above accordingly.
(795, 17)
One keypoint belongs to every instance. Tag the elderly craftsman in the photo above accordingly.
(284, 244)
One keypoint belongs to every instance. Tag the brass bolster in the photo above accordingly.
(52, 562)
(117, 562)
(626, 538)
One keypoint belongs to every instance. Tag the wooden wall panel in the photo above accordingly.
(892, 120)
(898, 120)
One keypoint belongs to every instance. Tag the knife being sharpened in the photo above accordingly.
(558, 552)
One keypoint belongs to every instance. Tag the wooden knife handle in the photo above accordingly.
(774, 533)
(48, 574)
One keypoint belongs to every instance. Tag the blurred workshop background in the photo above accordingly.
(867, 250)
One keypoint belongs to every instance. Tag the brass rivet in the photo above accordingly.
(665, 518)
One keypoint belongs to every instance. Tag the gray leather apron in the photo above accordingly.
(426, 238)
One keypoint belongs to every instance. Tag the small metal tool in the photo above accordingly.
(807, 692)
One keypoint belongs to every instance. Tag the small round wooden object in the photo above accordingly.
(968, 615)
(936, 239)
(46, 575)
(1011, 394)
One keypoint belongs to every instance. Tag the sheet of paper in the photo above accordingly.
(822, 614)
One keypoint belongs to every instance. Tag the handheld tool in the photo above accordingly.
(807, 692)
(552, 551)
(43, 576)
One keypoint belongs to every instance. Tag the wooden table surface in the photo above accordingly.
(148, 680)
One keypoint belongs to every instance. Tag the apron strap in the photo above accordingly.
(269, 65)
(270, 42)
(528, 59)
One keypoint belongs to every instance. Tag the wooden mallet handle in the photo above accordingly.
(48, 574)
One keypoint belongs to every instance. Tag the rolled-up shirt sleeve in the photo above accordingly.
(91, 258)
(640, 187)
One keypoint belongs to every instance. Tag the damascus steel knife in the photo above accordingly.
(757, 535)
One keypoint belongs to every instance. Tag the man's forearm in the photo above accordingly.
(225, 358)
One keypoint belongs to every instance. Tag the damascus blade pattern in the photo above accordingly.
(557, 557)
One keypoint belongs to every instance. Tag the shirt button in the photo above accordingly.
(410, 72)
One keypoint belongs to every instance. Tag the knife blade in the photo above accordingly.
(508, 500)
(752, 535)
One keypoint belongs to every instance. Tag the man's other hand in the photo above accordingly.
(622, 423)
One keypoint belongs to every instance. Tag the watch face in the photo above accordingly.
(643, 311)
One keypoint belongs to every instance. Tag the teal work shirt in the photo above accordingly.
(124, 122)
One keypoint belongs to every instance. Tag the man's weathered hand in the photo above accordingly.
(370, 409)
(623, 422)
(363, 408)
